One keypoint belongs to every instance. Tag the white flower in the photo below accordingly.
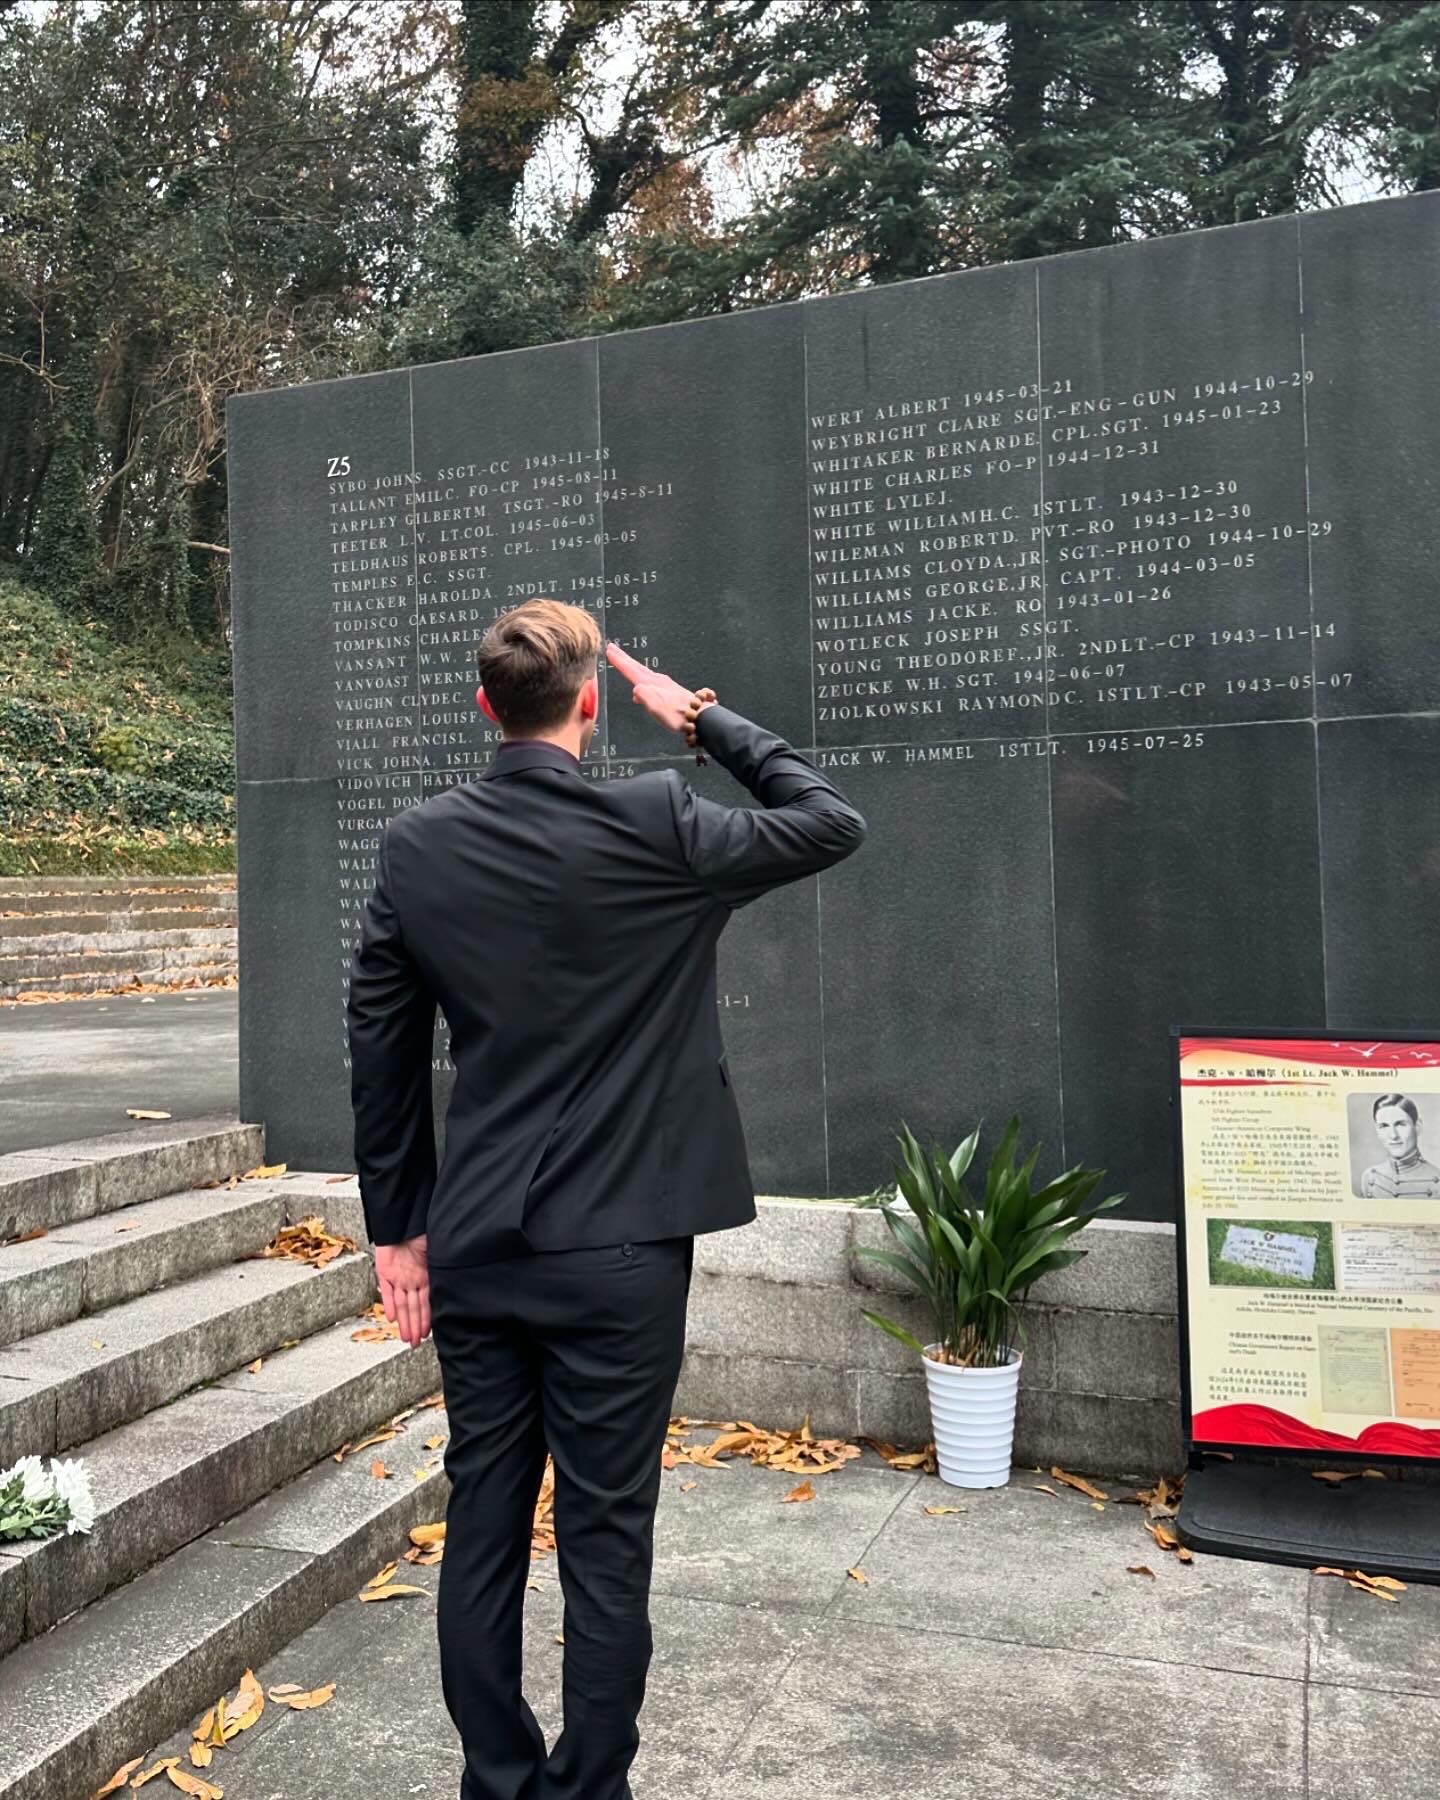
(35, 1482)
(72, 1485)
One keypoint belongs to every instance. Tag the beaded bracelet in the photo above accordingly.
(692, 712)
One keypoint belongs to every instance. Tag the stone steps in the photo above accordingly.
(223, 1525)
(153, 1655)
(84, 1179)
(93, 933)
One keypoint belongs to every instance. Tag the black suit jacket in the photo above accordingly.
(567, 930)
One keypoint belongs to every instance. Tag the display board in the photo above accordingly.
(1103, 586)
(1310, 1244)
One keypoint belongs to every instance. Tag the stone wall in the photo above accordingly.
(775, 1331)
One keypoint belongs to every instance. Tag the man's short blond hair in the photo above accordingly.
(533, 661)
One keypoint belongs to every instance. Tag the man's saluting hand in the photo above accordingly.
(665, 700)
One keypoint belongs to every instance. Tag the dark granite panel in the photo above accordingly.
(924, 490)
(705, 555)
(1175, 574)
(321, 567)
(1372, 277)
(1187, 883)
(937, 956)
(297, 930)
(1380, 822)
(508, 509)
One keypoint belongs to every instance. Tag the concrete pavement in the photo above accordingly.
(70, 1068)
(1002, 1648)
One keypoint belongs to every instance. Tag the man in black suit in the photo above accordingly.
(567, 929)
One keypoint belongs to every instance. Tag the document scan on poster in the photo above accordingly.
(1311, 1218)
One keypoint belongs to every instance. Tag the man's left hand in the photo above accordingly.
(405, 1287)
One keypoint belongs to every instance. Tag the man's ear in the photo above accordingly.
(485, 706)
(590, 698)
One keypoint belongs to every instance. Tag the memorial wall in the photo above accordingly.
(1104, 585)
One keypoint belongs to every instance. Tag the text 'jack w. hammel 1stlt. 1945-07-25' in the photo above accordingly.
(1106, 585)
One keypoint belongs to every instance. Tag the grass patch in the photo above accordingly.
(1224, 1273)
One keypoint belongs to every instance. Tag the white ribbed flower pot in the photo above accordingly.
(972, 1414)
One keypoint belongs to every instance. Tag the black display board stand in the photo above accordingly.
(1268, 1506)
(1281, 1514)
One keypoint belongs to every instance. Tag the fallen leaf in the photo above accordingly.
(1388, 1582)
(330, 1180)
(1079, 1483)
(255, 1367)
(384, 1575)
(1184, 1555)
(1333, 1476)
(391, 1592)
(265, 1172)
(140, 1112)
(534, 1587)
(859, 1575)
(248, 1704)
(155, 1769)
(380, 1437)
(559, 1637)
(203, 1728)
(303, 1702)
(1370, 1587)
(379, 1471)
(1164, 1536)
(685, 1486)
(307, 1242)
(129, 1225)
(1374, 1474)
(1139, 1569)
(935, 1511)
(290, 1343)
(28, 1237)
(1097, 1506)
(1040, 1488)
(97, 1343)
(285, 1687)
(119, 1778)
(805, 1491)
(201, 1754)
(425, 1535)
(194, 1784)
(434, 1443)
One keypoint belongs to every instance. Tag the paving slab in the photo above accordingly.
(974, 1572)
(1369, 1746)
(72, 1067)
(732, 1537)
(1358, 1641)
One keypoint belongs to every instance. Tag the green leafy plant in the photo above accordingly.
(975, 1262)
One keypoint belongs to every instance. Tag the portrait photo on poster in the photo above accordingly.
(1394, 1141)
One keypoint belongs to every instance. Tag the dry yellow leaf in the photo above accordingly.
(1097, 1506)
(330, 1180)
(155, 1769)
(392, 1592)
(1369, 1587)
(1139, 1569)
(434, 1443)
(1387, 1581)
(1185, 1556)
(559, 1637)
(1333, 1476)
(1374, 1474)
(97, 1343)
(255, 1367)
(200, 1754)
(284, 1688)
(316, 1697)
(290, 1343)
(1040, 1488)
(935, 1511)
(805, 1491)
(1079, 1483)
(194, 1784)
(685, 1486)
(248, 1705)
(859, 1575)
(204, 1727)
(141, 1112)
(119, 1778)
(425, 1535)
(379, 1471)
(265, 1172)
(384, 1575)
(129, 1225)
(379, 1437)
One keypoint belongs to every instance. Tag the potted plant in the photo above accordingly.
(975, 1262)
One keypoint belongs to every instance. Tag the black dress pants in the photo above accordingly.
(577, 1352)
